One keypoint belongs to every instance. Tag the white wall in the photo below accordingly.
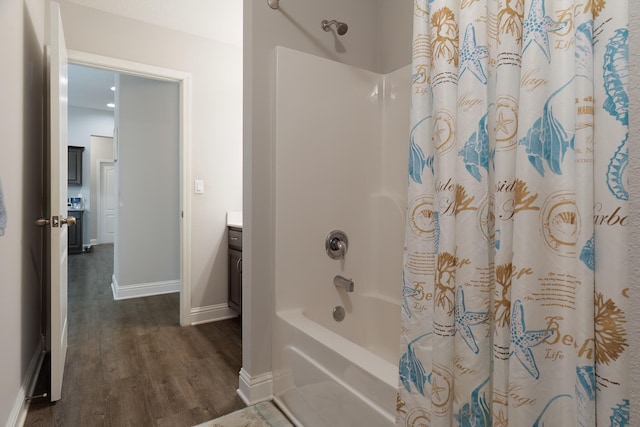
(147, 240)
(349, 175)
(327, 157)
(395, 32)
(216, 123)
(212, 19)
(83, 123)
(21, 139)
(295, 25)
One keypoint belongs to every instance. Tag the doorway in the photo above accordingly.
(183, 200)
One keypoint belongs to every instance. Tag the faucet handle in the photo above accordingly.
(336, 244)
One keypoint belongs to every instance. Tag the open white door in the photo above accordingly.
(107, 210)
(58, 200)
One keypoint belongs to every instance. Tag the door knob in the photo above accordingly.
(70, 220)
(41, 222)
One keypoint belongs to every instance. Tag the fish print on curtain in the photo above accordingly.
(515, 283)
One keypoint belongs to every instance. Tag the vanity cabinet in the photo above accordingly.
(74, 165)
(75, 233)
(235, 269)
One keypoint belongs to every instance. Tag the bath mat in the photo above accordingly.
(263, 414)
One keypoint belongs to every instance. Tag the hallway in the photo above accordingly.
(130, 363)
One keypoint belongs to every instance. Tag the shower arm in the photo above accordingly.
(274, 4)
(326, 24)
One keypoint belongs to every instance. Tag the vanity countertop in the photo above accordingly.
(234, 219)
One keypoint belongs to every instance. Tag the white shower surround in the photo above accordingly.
(341, 148)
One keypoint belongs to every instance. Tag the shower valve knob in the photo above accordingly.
(336, 244)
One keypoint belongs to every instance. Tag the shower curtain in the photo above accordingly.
(515, 281)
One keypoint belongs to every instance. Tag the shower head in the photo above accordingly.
(341, 27)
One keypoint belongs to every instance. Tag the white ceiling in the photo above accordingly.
(90, 87)
(219, 20)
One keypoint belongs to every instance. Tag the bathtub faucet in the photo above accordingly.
(344, 283)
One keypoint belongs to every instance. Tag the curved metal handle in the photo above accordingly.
(70, 220)
(239, 265)
(41, 222)
(336, 244)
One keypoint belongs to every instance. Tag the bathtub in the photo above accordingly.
(329, 373)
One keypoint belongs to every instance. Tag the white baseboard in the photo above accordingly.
(255, 389)
(143, 289)
(20, 407)
(211, 313)
(93, 242)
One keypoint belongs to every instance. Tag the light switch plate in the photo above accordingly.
(198, 186)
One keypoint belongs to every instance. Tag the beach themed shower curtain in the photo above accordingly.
(515, 283)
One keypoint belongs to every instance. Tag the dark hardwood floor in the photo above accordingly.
(130, 363)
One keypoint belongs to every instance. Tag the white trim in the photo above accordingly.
(185, 202)
(21, 405)
(211, 313)
(114, 285)
(143, 289)
(93, 242)
(123, 66)
(255, 389)
(184, 80)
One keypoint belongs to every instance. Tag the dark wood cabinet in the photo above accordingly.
(235, 269)
(74, 165)
(75, 233)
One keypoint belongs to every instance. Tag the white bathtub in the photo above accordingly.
(329, 373)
